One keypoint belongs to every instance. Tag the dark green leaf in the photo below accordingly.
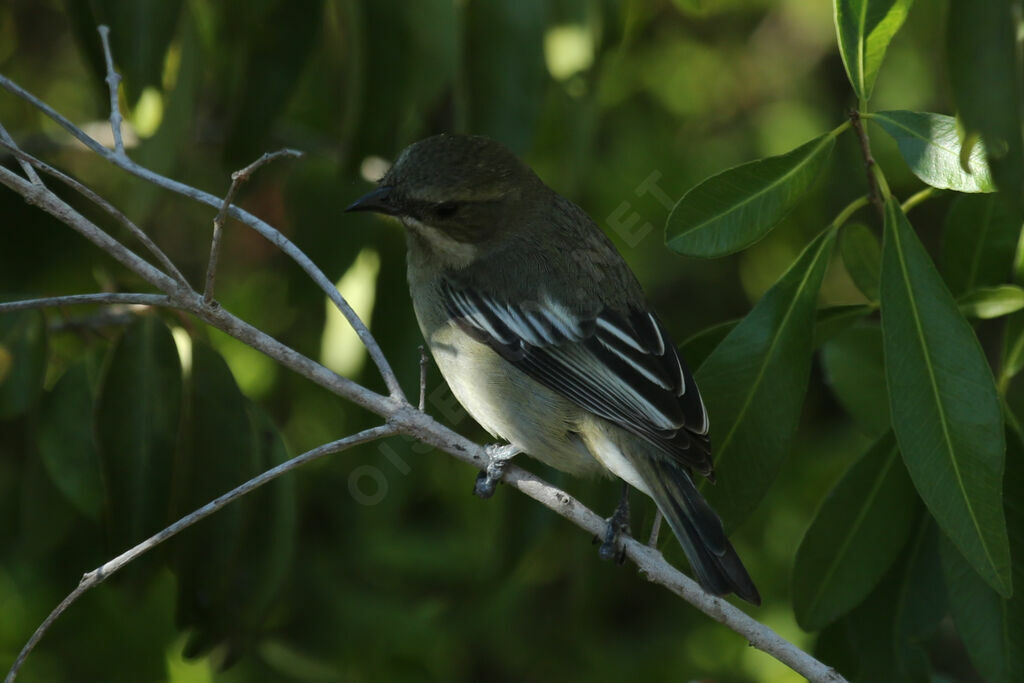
(22, 361)
(137, 416)
(992, 627)
(505, 71)
(66, 441)
(930, 144)
(732, 210)
(864, 29)
(835, 320)
(231, 565)
(943, 400)
(856, 535)
(984, 70)
(870, 627)
(276, 54)
(855, 371)
(862, 256)
(978, 242)
(992, 302)
(754, 383)
(922, 600)
(140, 33)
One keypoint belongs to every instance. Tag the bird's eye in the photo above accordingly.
(446, 209)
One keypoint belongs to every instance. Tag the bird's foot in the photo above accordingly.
(616, 525)
(498, 456)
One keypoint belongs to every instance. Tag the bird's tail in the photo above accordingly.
(717, 566)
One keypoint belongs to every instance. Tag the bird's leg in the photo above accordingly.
(498, 456)
(618, 524)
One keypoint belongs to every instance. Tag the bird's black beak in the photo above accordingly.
(378, 201)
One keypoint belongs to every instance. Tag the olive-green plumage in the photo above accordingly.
(543, 334)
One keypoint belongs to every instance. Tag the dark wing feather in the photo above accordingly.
(622, 367)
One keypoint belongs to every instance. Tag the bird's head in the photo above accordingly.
(455, 192)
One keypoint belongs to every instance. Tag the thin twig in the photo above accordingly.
(111, 567)
(114, 212)
(424, 361)
(99, 298)
(238, 178)
(113, 82)
(918, 197)
(652, 541)
(10, 145)
(269, 233)
(869, 161)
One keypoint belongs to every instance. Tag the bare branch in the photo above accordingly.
(111, 567)
(424, 361)
(269, 233)
(10, 145)
(116, 213)
(238, 178)
(113, 82)
(99, 298)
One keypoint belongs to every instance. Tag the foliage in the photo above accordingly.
(828, 330)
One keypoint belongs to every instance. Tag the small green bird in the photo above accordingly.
(544, 336)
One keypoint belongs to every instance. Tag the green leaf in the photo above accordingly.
(979, 239)
(834, 320)
(732, 210)
(754, 383)
(504, 67)
(992, 302)
(862, 256)
(829, 322)
(855, 537)
(137, 415)
(921, 605)
(944, 406)
(66, 442)
(992, 627)
(985, 74)
(864, 29)
(854, 369)
(140, 33)
(231, 565)
(23, 344)
(930, 144)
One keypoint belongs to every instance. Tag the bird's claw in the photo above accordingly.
(498, 456)
(615, 526)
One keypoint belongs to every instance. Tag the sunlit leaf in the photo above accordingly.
(855, 371)
(991, 626)
(855, 536)
(137, 415)
(979, 239)
(930, 145)
(992, 302)
(862, 256)
(732, 210)
(984, 71)
(945, 410)
(864, 29)
(23, 344)
(754, 383)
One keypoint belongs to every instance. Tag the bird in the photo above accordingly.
(544, 335)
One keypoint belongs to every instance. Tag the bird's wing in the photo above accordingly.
(622, 367)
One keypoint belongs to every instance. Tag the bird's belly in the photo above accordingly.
(509, 404)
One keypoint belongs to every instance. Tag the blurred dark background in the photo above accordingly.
(394, 571)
